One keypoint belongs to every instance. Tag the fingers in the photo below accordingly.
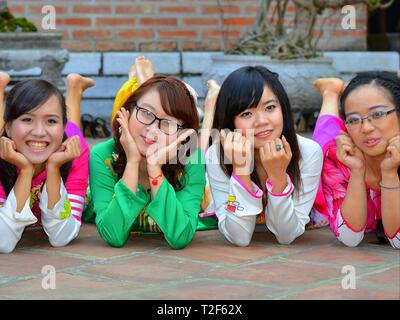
(346, 149)
(231, 139)
(7, 147)
(344, 139)
(286, 146)
(169, 151)
(123, 120)
(395, 141)
(13, 145)
(226, 137)
(71, 147)
(344, 135)
(393, 152)
(182, 137)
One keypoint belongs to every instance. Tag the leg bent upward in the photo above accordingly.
(76, 85)
(330, 90)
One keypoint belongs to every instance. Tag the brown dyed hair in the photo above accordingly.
(177, 102)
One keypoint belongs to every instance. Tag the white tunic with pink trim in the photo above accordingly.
(239, 209)
(63, 222)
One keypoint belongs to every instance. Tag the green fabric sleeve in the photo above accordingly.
(177, 212)
(115, 205)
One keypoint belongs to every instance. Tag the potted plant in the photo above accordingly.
(289, 51)
(23, 47)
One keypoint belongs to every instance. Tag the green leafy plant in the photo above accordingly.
(9, 23)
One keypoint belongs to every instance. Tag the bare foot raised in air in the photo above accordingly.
(331, 85)
(211, 98)
(76, 85)
(4, 80)
(330, 90)
(209, 111)
(144, 69)
(79, 83)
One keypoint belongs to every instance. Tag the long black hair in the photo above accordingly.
(242, 90)
(389, 84)
(25, 96)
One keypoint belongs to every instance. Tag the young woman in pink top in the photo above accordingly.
(43, 165)
(361, 144)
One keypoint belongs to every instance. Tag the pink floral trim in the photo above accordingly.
(206, 214)
(395, 234)
(257, 194)
(269, 186)
(349, 226)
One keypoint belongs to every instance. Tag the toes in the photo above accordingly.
(4, 79)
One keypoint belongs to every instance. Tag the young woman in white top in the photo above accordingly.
(261, 172)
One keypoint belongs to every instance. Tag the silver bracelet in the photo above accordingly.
(387, 187)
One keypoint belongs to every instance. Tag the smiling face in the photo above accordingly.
(371, 137)
(144, 134)
(266, 119)
(38, 133)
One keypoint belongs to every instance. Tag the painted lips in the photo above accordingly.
(263, 134)
(371, 142)
(148, 141)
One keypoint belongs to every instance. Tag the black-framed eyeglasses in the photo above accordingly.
(147, 117)
(355, 121)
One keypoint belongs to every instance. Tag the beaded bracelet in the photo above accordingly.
(387, 187)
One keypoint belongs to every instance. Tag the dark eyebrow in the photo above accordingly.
(271, 100)
(370, 108)
(47, 115)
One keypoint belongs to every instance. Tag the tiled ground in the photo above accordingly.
(209, 268)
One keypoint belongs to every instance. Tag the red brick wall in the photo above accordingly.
(170, 25)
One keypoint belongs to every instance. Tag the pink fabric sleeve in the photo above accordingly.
(334, 176)
(334, 181)
(78, 177)
(3, 196)
(326, 130)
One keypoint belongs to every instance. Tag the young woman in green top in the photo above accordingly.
(137, 181)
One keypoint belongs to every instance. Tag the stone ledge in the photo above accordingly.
(83, 63)
(105, 87)
(357, 61)
(196, 62)
(120, 62)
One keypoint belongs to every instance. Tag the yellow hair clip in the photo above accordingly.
(127, 89)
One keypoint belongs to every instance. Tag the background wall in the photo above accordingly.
(172, 25)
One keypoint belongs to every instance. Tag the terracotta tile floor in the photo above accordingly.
(209, 268)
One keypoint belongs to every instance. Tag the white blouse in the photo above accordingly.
(286, 214)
